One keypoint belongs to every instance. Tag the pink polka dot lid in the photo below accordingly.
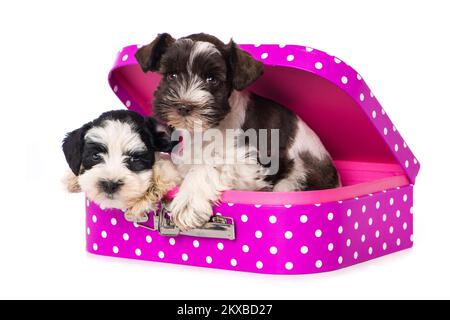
(295, 232)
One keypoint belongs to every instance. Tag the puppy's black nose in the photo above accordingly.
(184, 110)
(109, 186)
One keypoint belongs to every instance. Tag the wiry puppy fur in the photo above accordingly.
(204, 80)
(116, 160)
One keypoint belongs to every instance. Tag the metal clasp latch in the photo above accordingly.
(218, 227)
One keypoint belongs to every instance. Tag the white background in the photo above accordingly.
(54, 60)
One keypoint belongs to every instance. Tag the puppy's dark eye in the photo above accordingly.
(172, 76)
(211, 80)
(134, 159)
(96, 157)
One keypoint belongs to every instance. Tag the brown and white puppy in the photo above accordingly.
(116, 161)
(204, 80)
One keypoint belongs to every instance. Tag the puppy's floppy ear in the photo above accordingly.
(245, 69)
(73, 145)
(160, 135)
(150, 55)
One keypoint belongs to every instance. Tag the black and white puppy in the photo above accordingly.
(204, 80)
(116, 161)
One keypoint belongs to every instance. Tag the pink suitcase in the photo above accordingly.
(285, 233)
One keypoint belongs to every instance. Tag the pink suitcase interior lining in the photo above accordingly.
(295, 232)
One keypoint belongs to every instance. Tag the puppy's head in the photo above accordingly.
(113, 156)
(199, 72)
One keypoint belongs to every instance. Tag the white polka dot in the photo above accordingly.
(303, 219)
(371, 94)
(95, 247)
(244, 218)
(161, 255)
(384, 217)
(411, 210)
(399, 242)
(340, 229)
(318, 65)
(258, 234)
(288, 235)
(405, 197)
(348, 243)
(126, 237)
(309, 49)
(125, 58)
(356, 226)
(391, 201)
(148, 239)
(304, 249)
(340, 260)
(135, 225)
(391, 229)
(330, 247)
(184, 257)
(196, 244)
(319, 264)
(364, 208)
(358, 76)
(405, 226)
(94, 218)
(257, 45)
(394, 129)
(113, 221)
(411, 238)
(396, 147)
(115, 250)
(104, 234)
(138, 252)
(377, 234)
(220, 246)
(398, 213)
(318, 233)
(288, 206)
(273, 250)
(405, 145)
(273, 219)
(415, 161)
(258, 206)
(88, 231)
(330, 216)
(385, 131)
(209, 260)
(337, 60)
(233, 262)
(264, 55)
(370, 250)
(218, 214)
(102, 207)
(378, 205)
(384, 246)
(355, 255)
(374, 114)
(116, 88)
(281, 46)
(230, 204)
(289, 265)
(370, 221)
(259, 265)
(363, 238)
(172, 241)
(128, 103)
(290, 57)
(344, 80)
(245, 248)
(362, 97)
(349, 213)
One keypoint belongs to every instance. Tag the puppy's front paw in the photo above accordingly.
(189, 213)
(137, 217)
(138, 211)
